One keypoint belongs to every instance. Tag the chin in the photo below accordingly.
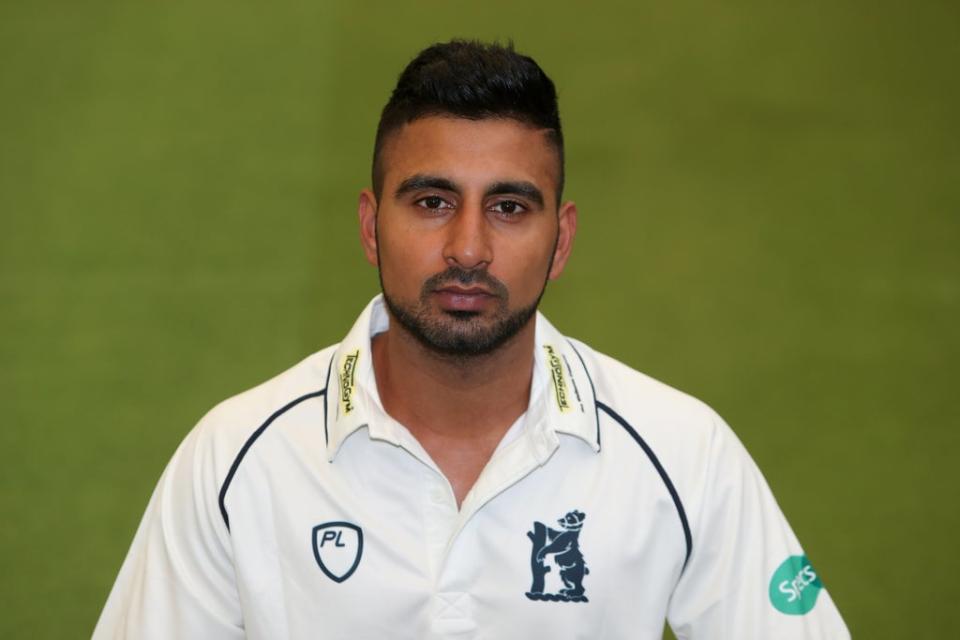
(458, 333)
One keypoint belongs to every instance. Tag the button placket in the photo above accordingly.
(440, 514)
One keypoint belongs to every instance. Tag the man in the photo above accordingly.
(456, 467)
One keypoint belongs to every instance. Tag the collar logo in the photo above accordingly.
(337, 548)
(348, 375)
(560, 548)
(560, 392)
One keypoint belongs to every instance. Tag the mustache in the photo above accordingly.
(462, 276)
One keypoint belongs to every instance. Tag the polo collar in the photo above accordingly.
(562, 395)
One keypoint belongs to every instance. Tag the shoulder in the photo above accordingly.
(681, 434)
(646, 422)
(645, 403)
(224, 431)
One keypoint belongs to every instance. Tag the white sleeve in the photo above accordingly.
(177, 580)
(747, 576)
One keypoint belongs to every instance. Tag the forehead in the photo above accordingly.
(470, 152)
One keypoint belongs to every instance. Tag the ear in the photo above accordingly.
(367, 212)
(567, 219)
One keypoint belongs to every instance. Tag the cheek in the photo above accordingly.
(406, 259)
(523, 264)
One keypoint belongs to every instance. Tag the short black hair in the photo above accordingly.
(472, 80)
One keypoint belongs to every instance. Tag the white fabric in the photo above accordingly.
(429, 570)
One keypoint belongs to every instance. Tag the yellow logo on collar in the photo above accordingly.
(559, 381)
(348, 375)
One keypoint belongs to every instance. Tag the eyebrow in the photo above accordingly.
(522, 188)
(424, 181)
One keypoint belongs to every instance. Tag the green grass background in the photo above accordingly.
(770, 220)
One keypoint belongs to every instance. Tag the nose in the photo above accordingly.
(468, 243)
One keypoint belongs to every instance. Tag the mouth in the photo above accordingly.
(463, 299)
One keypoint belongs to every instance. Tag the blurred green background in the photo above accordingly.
(770, 220)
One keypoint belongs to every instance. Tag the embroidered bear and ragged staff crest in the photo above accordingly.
(564, 547)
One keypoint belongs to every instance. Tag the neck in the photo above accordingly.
(469, 398)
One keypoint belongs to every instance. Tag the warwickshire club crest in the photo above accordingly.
(564, 546)
(337, 546)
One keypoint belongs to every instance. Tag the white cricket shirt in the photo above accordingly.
(300, 509)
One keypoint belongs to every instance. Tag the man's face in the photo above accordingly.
(467, 230)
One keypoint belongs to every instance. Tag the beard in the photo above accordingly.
(461, 334)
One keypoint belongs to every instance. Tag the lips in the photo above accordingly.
(454, 298)
(471, 291)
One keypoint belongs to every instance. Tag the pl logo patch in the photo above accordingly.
(562, 549)
(338, 546)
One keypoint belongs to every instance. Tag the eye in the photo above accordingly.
(508, 208)
(433, 203)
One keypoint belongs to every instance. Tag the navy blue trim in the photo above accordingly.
(326, 385)
(663, 475)
(593, 390)
(253, 438)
